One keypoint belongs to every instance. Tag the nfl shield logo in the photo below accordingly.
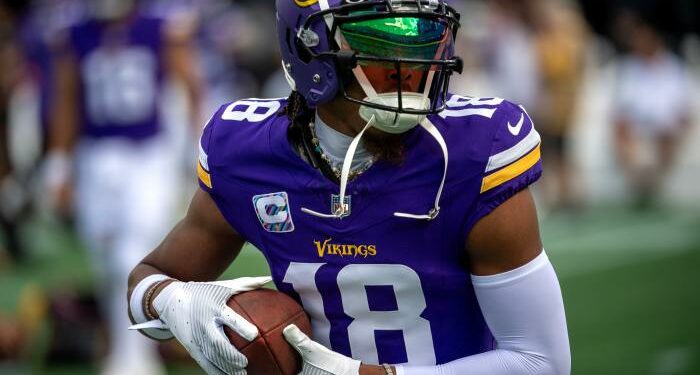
(335, 204)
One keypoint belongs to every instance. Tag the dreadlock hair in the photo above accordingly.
(300, 134)
(297, 110)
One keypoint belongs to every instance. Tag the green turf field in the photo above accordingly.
(630, 284)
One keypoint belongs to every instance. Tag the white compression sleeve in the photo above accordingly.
(525, 312)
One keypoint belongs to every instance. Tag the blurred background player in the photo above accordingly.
(110, 158)
(653, 107)
(559, 37)
(531, 51)
(11, 72)
(509, 59)
(11, 335)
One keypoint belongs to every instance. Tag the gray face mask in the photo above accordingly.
(390, 121)
(393, 122)
(111, 9)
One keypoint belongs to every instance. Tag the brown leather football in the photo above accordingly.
(270, 311)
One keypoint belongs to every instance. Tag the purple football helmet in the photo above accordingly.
(319, 68)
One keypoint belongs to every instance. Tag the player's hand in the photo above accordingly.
(319, 360)
(57, 182)
(62, 198)
(196, 313)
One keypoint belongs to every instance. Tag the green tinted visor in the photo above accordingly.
(399, 37)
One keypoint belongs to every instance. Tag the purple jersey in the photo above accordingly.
(379, 288)
(40, 27)
(120, 72)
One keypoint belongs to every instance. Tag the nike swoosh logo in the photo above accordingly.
(515, 130)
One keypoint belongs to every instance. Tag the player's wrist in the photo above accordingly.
(151, 295)
(376, 370)
(58, 168)
(138, 307)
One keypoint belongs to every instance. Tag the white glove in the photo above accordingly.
(196, 313)
(319, 360)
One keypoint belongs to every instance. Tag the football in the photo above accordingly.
(270, 311)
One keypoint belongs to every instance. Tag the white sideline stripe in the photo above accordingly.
(640, 235)
(600, 250)
(673, 361)
(514, 153)
(581, 265)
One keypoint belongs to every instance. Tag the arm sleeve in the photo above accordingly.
(525, 312)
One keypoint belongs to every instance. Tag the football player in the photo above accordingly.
(396, 213)
(110, 70)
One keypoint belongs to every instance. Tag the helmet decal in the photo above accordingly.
(305, 3)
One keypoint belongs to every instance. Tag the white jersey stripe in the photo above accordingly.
(483, 112)
(514, 153)
(203, 157)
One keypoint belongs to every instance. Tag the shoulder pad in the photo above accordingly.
(465, 106)
(513, 162)
(515, 148)
(234, 126)
(251, 110)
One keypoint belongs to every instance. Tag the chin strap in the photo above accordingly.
(288, 76)
(347, 162)
(435, 211)
(345, 172)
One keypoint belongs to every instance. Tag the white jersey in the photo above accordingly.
(654, 95)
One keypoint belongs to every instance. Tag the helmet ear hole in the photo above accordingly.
(288, 39)
(302, 52)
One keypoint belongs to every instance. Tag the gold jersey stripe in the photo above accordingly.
(204, 176)
(512, 171)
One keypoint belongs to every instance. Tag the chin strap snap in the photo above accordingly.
(435, 211)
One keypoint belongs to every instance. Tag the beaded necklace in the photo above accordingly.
(336, 168)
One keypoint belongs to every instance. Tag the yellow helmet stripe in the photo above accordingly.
(305, 3)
